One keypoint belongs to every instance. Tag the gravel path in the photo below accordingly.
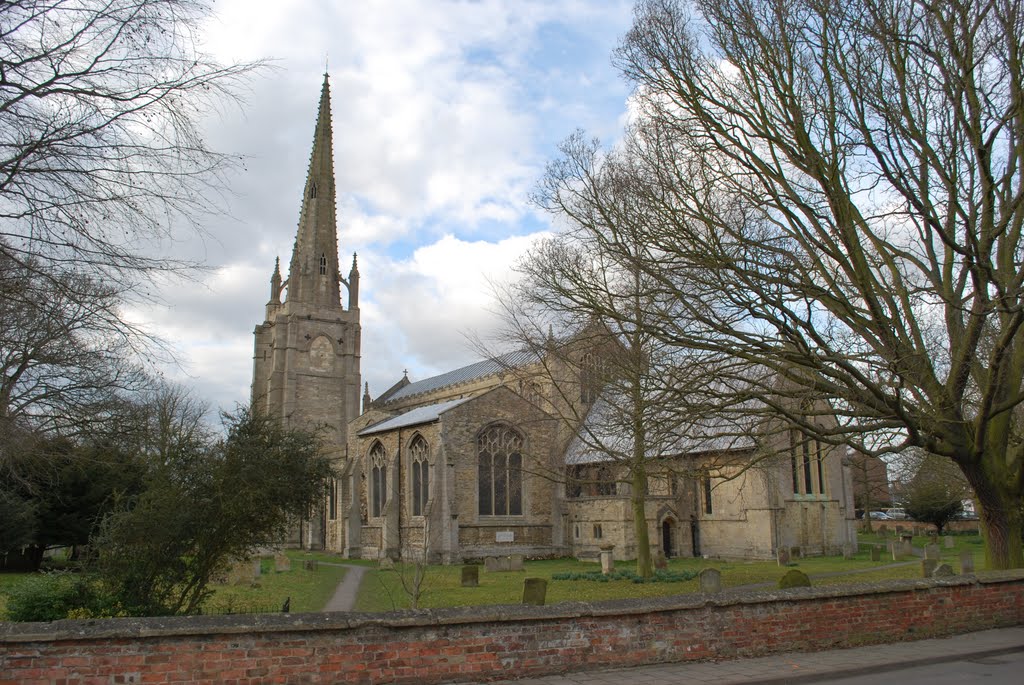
(344, 598)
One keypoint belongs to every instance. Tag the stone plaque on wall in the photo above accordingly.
(505, 536)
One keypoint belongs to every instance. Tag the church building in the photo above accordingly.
(481, 461)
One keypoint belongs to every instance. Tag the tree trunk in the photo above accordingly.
(644, 566)
(1000, 517)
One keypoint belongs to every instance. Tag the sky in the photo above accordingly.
(445, 114)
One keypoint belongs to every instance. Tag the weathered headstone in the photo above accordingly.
(491, 564)
(794, 578)
(386, 562)
(470, 576)
(515, 562)
(966, 563)
(948, 542)
(931, 551)
(240, 573)
(883, 529)
(943, 571)
(876, 553)
(710, 580)
(847, 551)
(607, 560)
(309, 564)
(782, 556)
(928, 567)
(257, 567)
(660, 561)
(535, 590)
(504, 564)
(282, 563)
(794, 552)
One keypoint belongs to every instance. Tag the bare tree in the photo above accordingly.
(834, 190)
(101, 152)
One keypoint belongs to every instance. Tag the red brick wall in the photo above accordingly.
(499, 642)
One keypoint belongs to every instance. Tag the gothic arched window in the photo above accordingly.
(312, 190)
(500, 483)
(590, 378)
(323, 264)
(419, 453)
(378, 478)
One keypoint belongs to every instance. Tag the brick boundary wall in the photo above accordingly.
(482, 643)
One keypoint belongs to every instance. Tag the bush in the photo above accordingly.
(53, 596)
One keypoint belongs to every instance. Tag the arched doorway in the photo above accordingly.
(668, 529)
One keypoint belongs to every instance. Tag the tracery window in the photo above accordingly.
(419, 453)
(500, 475)
(378, 478)
(589, 378)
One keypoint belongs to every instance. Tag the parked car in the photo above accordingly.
(879, 516)
(896, 514)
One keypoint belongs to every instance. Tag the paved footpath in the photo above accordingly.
(344, 598)
(804, 667)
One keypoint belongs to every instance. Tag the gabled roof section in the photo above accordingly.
(414, 417)
(476, 371)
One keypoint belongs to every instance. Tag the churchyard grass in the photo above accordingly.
(307, 590)
(381, 589)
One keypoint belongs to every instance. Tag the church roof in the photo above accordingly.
(414, 417)
(480, 369)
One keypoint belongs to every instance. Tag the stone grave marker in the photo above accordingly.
(876, 553)
(470, 576)
(282, 563)
(710, 580)
(504, 563)
(782, 556)
(309, 565)
(515, 562)
(928, 567)
(847, 551)
(660, 561)
(240, 573)
(535, 591)
(490, 564)
(794, 578)
(794, 552)
(966, 563)
(386, 562)
(943, 571)
(931, 551)
(257, 567)
(948, 542)
(607, 560)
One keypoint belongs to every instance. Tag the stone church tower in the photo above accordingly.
(306, 352)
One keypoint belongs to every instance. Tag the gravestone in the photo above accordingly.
(794, 578)
(710, 580)
(257, 567)
(515, 562)
(504, 564)
(282, 563)
(535, 590)
(966, 563)
(386, 562)
(948, 542)
(931, 551)
(782, 556)
(794, 553)
(928, 567)
(491, 564)
(607, 560)
(847, 551)
(309, 565)
(943, 571)
(240, 573)
(470, 576)
(883, 529)
(876, 553)
(660, 561)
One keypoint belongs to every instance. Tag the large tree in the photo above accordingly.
(101, 148)
(833, 190)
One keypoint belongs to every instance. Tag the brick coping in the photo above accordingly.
(191, 626)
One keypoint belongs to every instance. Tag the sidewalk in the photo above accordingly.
(801, 667)
(344, 598)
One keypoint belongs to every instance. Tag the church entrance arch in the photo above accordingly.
(668, 534)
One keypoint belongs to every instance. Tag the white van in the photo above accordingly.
(897, 514)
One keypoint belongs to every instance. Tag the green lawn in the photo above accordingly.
(308, 590)
(382, 589)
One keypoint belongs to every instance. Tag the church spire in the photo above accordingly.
(313, 273)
